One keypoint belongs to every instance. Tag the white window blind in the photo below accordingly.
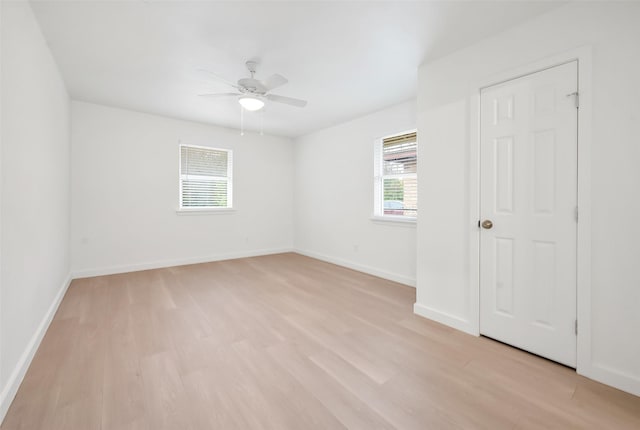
(396, 182)
(205, 177)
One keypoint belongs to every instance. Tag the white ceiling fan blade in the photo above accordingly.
(287, 100)
(274, 81)
(214, 95)
(219, 78)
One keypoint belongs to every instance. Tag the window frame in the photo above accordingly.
(229, 178)
(379, 177)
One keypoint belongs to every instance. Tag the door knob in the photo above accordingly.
(487, 224)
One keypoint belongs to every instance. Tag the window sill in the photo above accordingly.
(400, 220)
(207, 211)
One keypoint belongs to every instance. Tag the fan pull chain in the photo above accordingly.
(262, 122)
(241, 121)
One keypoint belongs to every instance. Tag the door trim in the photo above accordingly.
(583, 56)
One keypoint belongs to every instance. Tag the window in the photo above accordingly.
(396, 182)
(205, 178)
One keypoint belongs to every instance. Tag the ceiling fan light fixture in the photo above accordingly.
(251, 103)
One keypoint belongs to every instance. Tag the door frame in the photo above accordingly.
(583, 56)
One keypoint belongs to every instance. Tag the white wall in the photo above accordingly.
(34, 193)
(125, 193)
(445, 290)
(334, 198)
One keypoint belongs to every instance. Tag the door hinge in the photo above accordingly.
(576, 213)
(576, 326)
(576, 98)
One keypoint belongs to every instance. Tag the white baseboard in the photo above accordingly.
(445, 318)
(360, 268)
(595, 371)
(15, 379)
(112, 270)
(611, 377)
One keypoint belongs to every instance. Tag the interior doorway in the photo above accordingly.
(528, 208)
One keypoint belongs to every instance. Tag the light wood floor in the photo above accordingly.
(286, 342)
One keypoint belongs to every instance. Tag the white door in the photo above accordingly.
(528, 192)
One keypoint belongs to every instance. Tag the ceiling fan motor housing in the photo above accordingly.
(253, 86)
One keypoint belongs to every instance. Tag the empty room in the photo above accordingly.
(319, 215)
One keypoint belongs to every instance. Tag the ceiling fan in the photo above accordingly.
(252, 92)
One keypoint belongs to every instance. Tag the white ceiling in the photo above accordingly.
(346, 58)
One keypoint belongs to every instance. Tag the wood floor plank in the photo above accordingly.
(288, 400)
(286, 342)
(166, 401)
(348, 408)
(392, 409)
(123, 391)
